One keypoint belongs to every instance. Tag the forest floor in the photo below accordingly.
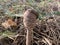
(46, 32)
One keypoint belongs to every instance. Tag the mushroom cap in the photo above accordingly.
(33, 11)
(29, 18)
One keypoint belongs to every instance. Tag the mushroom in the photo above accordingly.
(29, 19)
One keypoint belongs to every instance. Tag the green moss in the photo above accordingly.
(7, 33)
(57, 13)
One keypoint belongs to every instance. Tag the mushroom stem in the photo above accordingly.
(29, 37)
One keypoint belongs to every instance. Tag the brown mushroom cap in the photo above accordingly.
(29, 19)
(33, 11)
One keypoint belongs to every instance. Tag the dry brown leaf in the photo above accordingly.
(8, 23)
